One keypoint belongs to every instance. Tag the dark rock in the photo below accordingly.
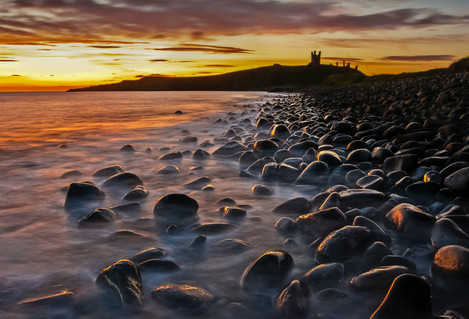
(198, 183)
(198, 242)
(231, 245)
(299, 149)
(232, 212)
(183, 298)
(342, 244)
(257, 167)
(270, 270)
(213, 228)
(226, 202)
(229, 149)
(294, 206)
(411, 220)
(458, 181)
(99, 217)
(64, 298)
(315, 173)
(371, 182)
(377, 279)
(147, 254)
(122, 280)
(262, 190)
(136, 193)
(359, 198)
(130, 208)
(281, 155)
(264, 148)
(377, 233)
(246, 159)
(400, 163)
(359, 155)
(124, 180)
(330, 158)
(452, 262)
(168, 170)
(188, 139)
(451, 168)
(285, 225)
(280, 131)
(176, 207)
(393, 260)
(325, 276)
(200, 155)
(158, 265)
(294, 300)
(171, 156)
(108, 171)
(446, 232)
(322, 222)
(127, 148)
(409, 297)
(374, 254)
(353, 176)
(79, 193)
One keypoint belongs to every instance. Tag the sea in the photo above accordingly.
(44, 135)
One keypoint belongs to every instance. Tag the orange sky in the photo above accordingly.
(61, 44)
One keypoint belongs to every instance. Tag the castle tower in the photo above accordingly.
(315, 59)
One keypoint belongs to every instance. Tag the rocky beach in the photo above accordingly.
(346, 202)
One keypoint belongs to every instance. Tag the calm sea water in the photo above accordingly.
(42, 250)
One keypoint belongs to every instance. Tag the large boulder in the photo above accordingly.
(124, 180)
(411, 221)
(176, 207)
(183, 298)
(409, 297)
(270, 270)
(322, 222)
(123, 282)
(82, 193)
(452, 262)
(294, 300)
(294, 206)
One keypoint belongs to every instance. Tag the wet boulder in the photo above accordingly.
(377, 233)
(409, 297)
(322, 222)
(229, 149)
(406, 162)
(171, 156)
(136, 193)
(213, 228)
(175, 207)
(158, 265)
(294, 206)
(127, 148)
(342, 244)
(264, 148)
(330, 158)
(411, 220)
(270, 270)
(82, 193)
(279, 131)
(147, 254)
(124, 180)
(231, 245)
(359, 198)
(447, 232)
(285, 225)
(459, 180)
(168, 170)
(123, 282)
(198, 183)
(233, 212)
(200, 155)
(294, 300)
(108, 171)
(377, 279)
(183, 298)
(98, 217)
(316, 173)
(325, 276)
(452, 262)
(261, 190)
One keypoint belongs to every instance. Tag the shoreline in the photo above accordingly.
(359, 198)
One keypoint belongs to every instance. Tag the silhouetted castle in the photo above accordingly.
(315, 59)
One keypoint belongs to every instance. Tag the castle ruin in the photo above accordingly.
(315, 59)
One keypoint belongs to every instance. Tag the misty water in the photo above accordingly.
(43, 252)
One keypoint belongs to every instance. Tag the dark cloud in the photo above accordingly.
(197, 19)
(105, 46)
(419, 58)
(193, 47)
(8, 60)
(158, 60)
(15, 75)
(219, 66)
(342, 59)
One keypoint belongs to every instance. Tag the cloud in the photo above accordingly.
(8, 60)
(192, 47)
(158, 60)
(219, 66)
(47, 21)
(419, 58)
(105, 46)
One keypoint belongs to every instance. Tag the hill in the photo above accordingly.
(275, 77)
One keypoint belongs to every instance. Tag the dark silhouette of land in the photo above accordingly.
(270, 78)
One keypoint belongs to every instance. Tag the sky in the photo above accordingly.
(62, 44)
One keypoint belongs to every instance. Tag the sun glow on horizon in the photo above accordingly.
(90, 49)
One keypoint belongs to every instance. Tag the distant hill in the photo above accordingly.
(275, 77)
